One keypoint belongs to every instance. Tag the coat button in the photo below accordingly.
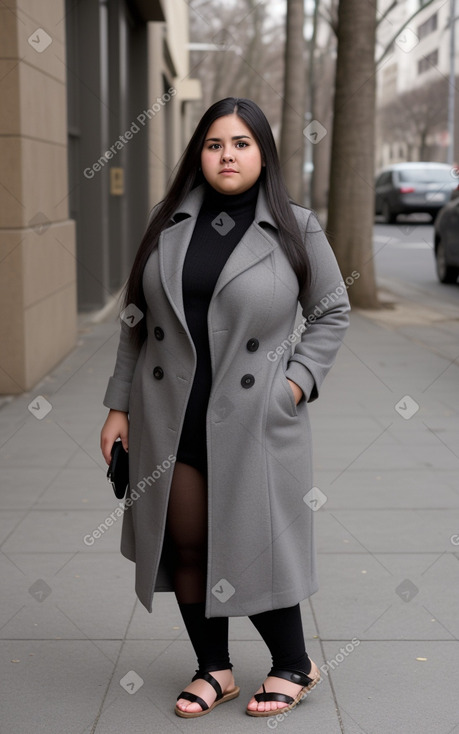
(252, 345)
(159, 333)
(158, 373)
(247, 381)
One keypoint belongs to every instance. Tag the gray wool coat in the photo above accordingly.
(261, 552)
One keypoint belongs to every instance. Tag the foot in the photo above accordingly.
(279, 685)
(203, 689)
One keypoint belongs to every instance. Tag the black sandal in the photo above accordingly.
(297, 677)
(206, 709)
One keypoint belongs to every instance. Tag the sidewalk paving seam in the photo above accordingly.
(115, 665)
(324, 658)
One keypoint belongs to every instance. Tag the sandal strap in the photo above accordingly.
(297, 676)
(272, 696)
(205, 675)
(194, 699)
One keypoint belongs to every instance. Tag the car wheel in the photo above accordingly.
(388, 215)
(445, 273)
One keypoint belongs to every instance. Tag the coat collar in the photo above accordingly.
(192, 204)
(173, 243)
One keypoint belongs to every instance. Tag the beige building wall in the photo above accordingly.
(37, 239)
(170, 128)
(157, 128)
(38, 257)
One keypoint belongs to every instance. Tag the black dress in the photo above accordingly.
(220, 225)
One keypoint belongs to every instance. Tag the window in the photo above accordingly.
(429, 26)
(427, 62)
(425, 175)
(385, 178)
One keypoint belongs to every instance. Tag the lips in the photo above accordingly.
(228, 170)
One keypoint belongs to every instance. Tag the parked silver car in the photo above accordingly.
(446, 241)
(406, 188)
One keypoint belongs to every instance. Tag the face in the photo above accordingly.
(230, 159)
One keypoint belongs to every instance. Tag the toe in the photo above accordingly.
(252, 705)
(191, 707)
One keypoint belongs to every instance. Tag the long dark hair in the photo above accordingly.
(189, 175)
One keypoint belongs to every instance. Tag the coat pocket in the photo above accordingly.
(291, 406)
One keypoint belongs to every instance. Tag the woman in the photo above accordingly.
(215, 376)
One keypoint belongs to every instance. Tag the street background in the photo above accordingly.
(80, 655)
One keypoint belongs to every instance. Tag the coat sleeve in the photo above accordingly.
(325, 308)
(119, 385)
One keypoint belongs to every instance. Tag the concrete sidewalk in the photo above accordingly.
(81, 655)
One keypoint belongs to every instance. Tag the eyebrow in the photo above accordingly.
(235, 137)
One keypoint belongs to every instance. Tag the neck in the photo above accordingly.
(214, 198)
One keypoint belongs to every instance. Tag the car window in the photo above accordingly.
(383, 179)
(425, 175)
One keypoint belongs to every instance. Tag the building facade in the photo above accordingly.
(95, 113)
(415, 69)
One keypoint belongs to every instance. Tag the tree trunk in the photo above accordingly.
(311, 84)
(293, 121)
(351, 198)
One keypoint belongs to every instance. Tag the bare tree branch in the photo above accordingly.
(402, 28)
(386, 12)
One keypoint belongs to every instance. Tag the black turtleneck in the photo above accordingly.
(222, 221)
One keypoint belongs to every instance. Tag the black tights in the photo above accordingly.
(281, 629)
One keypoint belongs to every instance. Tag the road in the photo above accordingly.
(405, 263)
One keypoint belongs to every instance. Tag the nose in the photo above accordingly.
(227, 156)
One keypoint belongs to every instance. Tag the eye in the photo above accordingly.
(241, 143)
(213, 146)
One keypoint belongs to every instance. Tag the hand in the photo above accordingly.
(116, 426)
(297, 391)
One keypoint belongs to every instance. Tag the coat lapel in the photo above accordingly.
(173, 244)
(172, 247)
(255, 244)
